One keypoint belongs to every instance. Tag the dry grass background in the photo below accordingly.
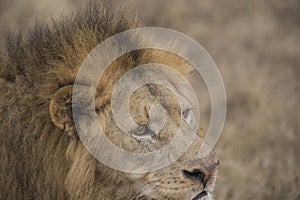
(256, 45)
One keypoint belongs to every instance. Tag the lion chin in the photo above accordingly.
(42, 156)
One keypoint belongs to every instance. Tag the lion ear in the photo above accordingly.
(61, 109)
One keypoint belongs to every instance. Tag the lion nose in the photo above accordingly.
(201, 174)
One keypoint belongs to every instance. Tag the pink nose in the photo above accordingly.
(201, 174)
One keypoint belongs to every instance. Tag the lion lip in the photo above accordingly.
(200, 195)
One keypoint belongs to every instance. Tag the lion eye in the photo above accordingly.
(143, 131)
(189, 117)
(185, 114)
(140, 130)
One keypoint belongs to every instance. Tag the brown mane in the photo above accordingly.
(36, 158)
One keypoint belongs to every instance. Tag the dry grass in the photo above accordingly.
(256, 46)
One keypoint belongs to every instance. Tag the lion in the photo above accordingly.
(42, 156)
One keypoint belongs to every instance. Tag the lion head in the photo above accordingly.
(58, 165)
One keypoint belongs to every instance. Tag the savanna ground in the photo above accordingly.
(256, 45)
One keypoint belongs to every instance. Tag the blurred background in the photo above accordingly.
(256, 45)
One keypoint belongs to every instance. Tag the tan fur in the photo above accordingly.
(41, 155)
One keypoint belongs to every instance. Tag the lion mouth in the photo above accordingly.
(200, 195)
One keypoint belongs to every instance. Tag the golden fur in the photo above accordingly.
(41, 155)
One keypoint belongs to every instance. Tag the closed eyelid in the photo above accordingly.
(147, 133)
(185, 112)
